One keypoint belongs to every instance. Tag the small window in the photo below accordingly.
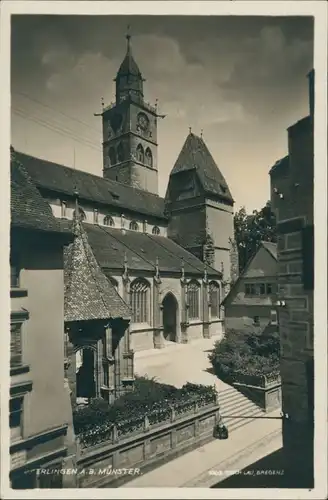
(14, 276)
(15, 344)
(256, 320)
(269, 289)
(148, 157)
(105, 374)
(274, 317)
(15, 412)
(156, 230)
(134, 226)
(262, 289)
(95, 216)
(108, 221)
(140, 154)
(63, 209)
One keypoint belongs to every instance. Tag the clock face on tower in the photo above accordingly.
(143, 122)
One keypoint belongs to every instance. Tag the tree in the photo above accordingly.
(250, 230)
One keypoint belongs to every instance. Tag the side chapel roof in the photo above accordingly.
(89, 295)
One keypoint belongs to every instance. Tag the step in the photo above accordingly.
(234, 423)
(240, 409)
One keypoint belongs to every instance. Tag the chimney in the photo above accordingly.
(311, 92)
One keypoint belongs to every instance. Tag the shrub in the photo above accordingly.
(149, 397)
(245, 353)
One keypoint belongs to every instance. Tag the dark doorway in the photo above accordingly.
(170, 312)
(85, 376)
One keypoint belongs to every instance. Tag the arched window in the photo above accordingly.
(139, 300)
(156, 230)
(108, 221)
(148, 157)
(193, 299)
(120, 153)
(140, 154)
(81, 214)
(134, 226)
(214, 299)
(112, 156)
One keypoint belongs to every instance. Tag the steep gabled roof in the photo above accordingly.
(28, 208)
(195, 155)
(270, 247)
(142, 251)
(61, 179)
(89, 295)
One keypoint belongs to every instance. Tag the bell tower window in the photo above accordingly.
(149, 157)
(140, 154)
(112, 156)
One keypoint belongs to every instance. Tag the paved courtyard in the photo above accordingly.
(177, 364)
(181, 363)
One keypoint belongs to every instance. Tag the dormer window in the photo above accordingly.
(134, 226)
(156, 230)
(108, 221)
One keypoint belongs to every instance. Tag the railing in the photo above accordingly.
(113, 433)
(257, 380)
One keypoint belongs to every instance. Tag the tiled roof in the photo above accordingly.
(89, 295)
(271, 247)
(28, 208)
(195, 155)
(142, 250)
(61, 179)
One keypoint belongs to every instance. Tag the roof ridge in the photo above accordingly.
(84, 172)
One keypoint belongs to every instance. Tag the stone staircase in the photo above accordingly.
(236, 409)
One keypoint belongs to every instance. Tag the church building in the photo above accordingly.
(169, 259)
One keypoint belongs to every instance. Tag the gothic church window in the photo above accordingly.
(156, 230)
(139, 300)
(149, 157)
(108, 221)
(140, 154)
(215, 299)
(112, 156)
(134, 226)
(120, 153)
(193, 299)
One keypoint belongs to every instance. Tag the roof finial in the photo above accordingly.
(128, 37)
(189, 130)
(201, 134)
(102, 102)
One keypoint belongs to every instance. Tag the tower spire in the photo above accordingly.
(128, 39)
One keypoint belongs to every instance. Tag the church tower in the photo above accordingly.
(200, 208)
(130, 131)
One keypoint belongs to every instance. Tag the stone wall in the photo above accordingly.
(292, 200)
(147, 449)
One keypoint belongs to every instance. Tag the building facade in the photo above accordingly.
(173, 280)
(292, 199)
(251, 304)
(41, 429)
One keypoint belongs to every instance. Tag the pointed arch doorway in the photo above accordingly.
(170, 318)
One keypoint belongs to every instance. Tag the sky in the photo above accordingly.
(242, 80)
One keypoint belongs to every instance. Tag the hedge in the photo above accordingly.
(246, 353)
(94, 422)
